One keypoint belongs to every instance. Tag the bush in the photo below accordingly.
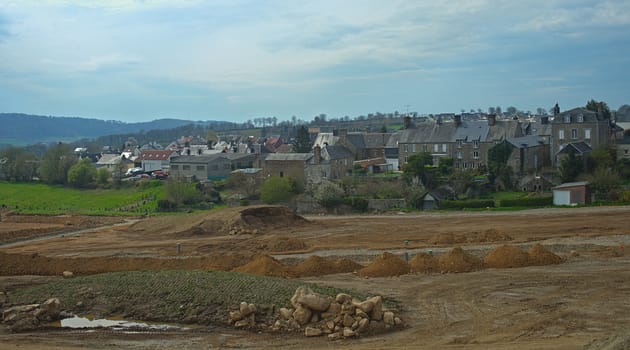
(166, 205)
(276, 189)
(463, 204)
(329, 195)
(357, 203)
(527, 202)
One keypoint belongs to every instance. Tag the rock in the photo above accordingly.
(302, 315)
(361, 313)
(355, 324)
(315, 317)
(235, 316)
(397, 321)
(286, 313)
(67, 274)
(314, 301)
(333, 310)
(334, 336)
(49, 310)
(25, 323)
(241, 323)
(347, 332)
(365, 306)
(247, 309)
(343, 298)
(348, 309)
(12, 314)
(347, 320)
(312, 332)
(364, 325)
(330, 325)
(300, 291)
(276, 326)
(388, 318)
(377, 309)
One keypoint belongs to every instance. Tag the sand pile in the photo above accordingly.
(539, 255)
(457, 260)
(265, 265)
(346, 265)
(385, 265)
(423, 262)
(506, 257)
(490, 235)
(317, 266)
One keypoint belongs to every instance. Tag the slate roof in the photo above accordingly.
(289, 156)
(526, 141)
(467, 131)
(336, 152)
(109, 158)
(573, 114)
(578, 147)
(571, 184)
(201, 159)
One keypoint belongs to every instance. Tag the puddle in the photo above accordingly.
(77, 322)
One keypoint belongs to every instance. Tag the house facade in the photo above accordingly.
(291, 165)
(209, 167)
(151, 160)
(579, 125)
(466, 142)
(529, 154)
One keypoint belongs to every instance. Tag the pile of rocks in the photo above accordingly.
(28, 317)
(318, 315)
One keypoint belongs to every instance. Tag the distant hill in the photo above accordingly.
(24, 129)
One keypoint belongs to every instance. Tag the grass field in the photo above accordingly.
(37, 198)
(169, 296)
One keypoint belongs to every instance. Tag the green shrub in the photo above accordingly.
(463, 204)
(527, 202)
(357, 203)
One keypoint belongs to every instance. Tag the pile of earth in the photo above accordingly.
(239, 220)
(490, 235)
(424, 263)
(458, 260)
(539, 255)
(318, 266)
(264, 265)
(385, 265)
(510, 256)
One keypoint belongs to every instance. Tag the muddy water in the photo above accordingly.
(77, 322)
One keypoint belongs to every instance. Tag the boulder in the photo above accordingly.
(364, 325)
(347, 320)
(397, 321)
(333, 310)
(335, 336)
(314, 301)
(302, 315)
(11, 314)
(365, 306)
(377, 309)
(312, 332)
(67, 274)
(49, 310)
(235, 316)
(300, 291)
(241, 324)
(348, 332)
(358, 312)
(388, 318)
(343, 298)
(247, 309)
(286, 313)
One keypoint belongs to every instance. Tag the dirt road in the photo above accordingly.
(565, 306)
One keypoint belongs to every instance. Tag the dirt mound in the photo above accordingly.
(317, 266)
(490, 235)
(265, 265)
(346, 265)
(385, 265)
(423, 262)
(539, 255)
(286, 244)
(239, 220)
(506, 256)
(457, 260)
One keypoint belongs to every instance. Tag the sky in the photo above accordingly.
(236, 60)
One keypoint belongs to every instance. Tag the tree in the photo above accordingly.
(570, 167)
(302, 142)
(416, 167)
(329, 195)
(498, 157)
(602, 157)
(606, 184)
(82, 174)
(179, 192)
(102, 176)
(56, 163)
(276, 189)
(243, 184)
(600, 107)
(17, 164)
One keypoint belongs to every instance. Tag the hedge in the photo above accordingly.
(527, 202)
(462, 204)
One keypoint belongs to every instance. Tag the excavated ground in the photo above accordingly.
(575, 297)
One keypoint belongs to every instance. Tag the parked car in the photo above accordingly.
(133, 171)
(159, 174)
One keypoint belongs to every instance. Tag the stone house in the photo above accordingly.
(209, 167)
(291, 165)
(466, 142)
(579, 125)
(151, 160)
(529, 154)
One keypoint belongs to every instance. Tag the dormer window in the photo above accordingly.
(475, 143)
(460, 142)
(580, 118)
(567, 118)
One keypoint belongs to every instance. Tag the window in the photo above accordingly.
(185, 167)
(459, 154)
(475, 143)
(436, 148)
(580, 118)
(465, 165)
(405, 148)
(587, 134)
(174, 167)
(405, 159)
(567, 118)
(443, 148)
(561, 134)
(625, 152)
(459, 143)
(424, 147)
(574, 134)
(476, 154)
(201, 168)
(413, 148)
(282, 174)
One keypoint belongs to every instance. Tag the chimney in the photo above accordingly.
(317, 157)
(438, 121)
(492, 119)
(407, 122)
(544, 120)
(343, 136)
(457, 119)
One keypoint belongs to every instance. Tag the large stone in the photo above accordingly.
(343, 298)
(388, 318)
(348, 320)
(333, 310)
(364, 325)
(235, 316)
(312, 332)
(302, 315)
(335, 336)
(361, 313)
(314, 301)
(348, 308)
(49, 310)
(11, 314)
(377, 309)
(397, 321)
(247, 309)
(67, 274)
(365, 306)
(330, 325)
(300, 291)
(286, 313)
(242, 323)
(348, 332)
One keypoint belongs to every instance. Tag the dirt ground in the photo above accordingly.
(563, 306)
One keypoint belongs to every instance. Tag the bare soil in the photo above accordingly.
(576, 298)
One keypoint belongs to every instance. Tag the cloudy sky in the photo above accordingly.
(236, 60)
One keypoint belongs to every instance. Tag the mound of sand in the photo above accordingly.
(265, 265)
(539, 255)
(423, 262)
(286, 244)
(457, 260)
(317, 266)
(506, 256)
(239, 220)
(385, 265)
(490, 235)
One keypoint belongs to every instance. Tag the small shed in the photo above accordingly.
(431, 200)
(571, 193)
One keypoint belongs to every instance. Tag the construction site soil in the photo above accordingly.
(535, 279)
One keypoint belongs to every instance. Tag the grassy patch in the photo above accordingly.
(37, 198)
(181, 296)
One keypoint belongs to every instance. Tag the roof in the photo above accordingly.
(571, 184)
(577, 147)
(155, 155)
(372, 161)
(289, 157)
(324, 138)
(574, 114)
(201, 159)
(526, 141)
(451, 132)
(109, 159)
(336, 152)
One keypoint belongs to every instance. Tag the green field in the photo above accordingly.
(37, 198)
